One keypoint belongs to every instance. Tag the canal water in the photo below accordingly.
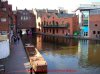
(67, 56)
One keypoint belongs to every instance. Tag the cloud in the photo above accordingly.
(52, 4)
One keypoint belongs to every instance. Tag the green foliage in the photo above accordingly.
(76, 33)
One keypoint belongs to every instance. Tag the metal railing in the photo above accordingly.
(2, 69)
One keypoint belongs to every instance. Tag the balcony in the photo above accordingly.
(56, 26)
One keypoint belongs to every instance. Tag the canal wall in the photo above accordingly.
(69, 36)
(37, 62)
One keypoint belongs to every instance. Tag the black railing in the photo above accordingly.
(56, 26)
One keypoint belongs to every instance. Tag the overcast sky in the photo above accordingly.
(71, 5)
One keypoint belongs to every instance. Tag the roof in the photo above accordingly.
(64, 15)
(20, 11)
(88, 7)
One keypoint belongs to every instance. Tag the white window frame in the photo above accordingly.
(4, 9)
(3, 19)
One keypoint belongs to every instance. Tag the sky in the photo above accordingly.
(69, 5)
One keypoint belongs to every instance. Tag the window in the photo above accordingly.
(47, 23)
(26, 18)
(4, 32)
(3, 19)
(21, 17)
(50, 30)
(98, 32)
(50, 23)
(94, 32)
(39, 24)
(39, 29)
(63, 31)
(57, 31)
(61, 12)
(53, 22)
(56, 23)
(44, 22)
(96, 25)
(86, 33)
(4, 9)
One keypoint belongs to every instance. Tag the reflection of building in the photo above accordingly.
(89, 15)
(83, 52)
(93, 55)
(57, 22)
(88, 54)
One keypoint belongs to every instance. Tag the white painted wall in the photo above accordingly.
(4, 49)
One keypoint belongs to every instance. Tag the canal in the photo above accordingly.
(67, 56)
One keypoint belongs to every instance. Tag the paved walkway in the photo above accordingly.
(17, 62)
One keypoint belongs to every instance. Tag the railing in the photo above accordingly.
(55, 26)
(2, 69)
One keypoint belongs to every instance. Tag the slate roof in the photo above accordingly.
(64, 15)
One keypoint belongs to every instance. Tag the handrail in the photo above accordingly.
(2, 69)
(1, 65)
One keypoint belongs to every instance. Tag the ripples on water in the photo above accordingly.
(64, 55)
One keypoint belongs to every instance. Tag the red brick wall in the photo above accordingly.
(4, 26)
(94, 19)
(73, 24)
(25, 24)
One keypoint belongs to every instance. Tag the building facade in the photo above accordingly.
(5, 17)
(57, 23)
(5, 28)
(25, 20)
(89, 15)
(94, 26)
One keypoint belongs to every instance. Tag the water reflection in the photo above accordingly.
(63, 54)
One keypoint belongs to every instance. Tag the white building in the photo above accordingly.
(84, 12)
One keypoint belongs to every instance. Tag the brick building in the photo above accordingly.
(5, 17)
(57, 23)
(14, 16)
(94, 26)
(25, 20)
(89, 22)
